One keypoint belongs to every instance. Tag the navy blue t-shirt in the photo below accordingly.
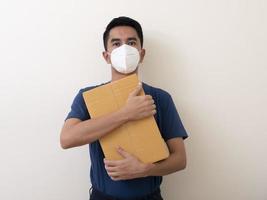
(170, 126)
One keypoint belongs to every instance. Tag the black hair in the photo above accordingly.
(123, 21)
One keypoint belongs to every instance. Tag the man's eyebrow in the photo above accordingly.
(115, 40)
(132, 38)
(128, 39)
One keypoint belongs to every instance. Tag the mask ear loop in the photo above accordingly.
(140, 77)
(140, 67)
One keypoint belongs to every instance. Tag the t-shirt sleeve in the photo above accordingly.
(78, 108)
(171, 123)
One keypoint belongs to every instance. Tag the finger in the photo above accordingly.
(123, 153)
(136, 91)
(112, 163)
(151, 102)
(148, 97)
(115, 178)
(150, 108)
(118, 178)
(111, 169)
(113, 174)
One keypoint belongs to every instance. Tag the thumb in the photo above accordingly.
(123, 153)
(136, 91)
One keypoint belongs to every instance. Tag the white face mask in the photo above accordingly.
(125, 59)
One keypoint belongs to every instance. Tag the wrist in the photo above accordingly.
(148, 168)
(123, 116)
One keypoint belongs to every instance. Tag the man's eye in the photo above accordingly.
(116, 44)
(132, 43)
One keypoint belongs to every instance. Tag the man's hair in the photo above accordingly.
(123, 21)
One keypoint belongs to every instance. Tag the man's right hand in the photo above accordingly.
(139, 107)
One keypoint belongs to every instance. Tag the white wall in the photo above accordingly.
(209, 54)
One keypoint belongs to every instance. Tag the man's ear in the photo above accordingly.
(142, 55)
(106, 57)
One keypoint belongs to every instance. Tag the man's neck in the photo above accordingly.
(117, 76)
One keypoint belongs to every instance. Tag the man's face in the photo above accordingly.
(123, 35)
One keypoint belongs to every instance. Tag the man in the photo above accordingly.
(127, 178)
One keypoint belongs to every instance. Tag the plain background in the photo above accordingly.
(209, 54)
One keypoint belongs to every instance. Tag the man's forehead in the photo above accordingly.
(123, 32)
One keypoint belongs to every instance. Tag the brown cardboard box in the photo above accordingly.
(141, 138)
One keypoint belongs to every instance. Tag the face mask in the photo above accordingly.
(125, 59)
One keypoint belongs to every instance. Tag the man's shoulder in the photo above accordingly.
(155, 91)
(87, 88)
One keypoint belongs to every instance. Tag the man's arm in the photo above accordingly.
(130, 167)
(175, 162)
(76, 132)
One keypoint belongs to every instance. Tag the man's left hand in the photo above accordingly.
(129, 167)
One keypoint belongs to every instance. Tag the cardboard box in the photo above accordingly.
(141, 138)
